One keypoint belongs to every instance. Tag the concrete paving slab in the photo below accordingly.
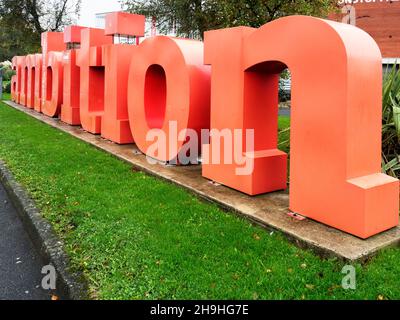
(270, 210)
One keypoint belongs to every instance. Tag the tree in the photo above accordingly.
(191, 18)
(23, 21)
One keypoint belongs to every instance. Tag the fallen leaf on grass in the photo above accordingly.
(334, 287)
(256, 237)
(236, 276)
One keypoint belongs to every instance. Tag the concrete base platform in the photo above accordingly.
(270, 211)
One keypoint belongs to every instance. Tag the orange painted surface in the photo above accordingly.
(30, 95)
(253, 104)
(72, 34)
(38, 82)
(70, 112)
(336, 121)
(20, 62)
(89, 59)
(168, 82)
(24, 80)
(51, 41)
(116, 58)
(123, 23)
(14, 81)
(115, 124)
(53, 94)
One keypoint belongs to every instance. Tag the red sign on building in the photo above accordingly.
(380, 18)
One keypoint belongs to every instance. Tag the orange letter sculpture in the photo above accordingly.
(89, 59)
(31, 67)
(116, 59)
(24, 80)
(20, 70)
(336, 70)
(161, 89)
(70, 112)
(38, 83)
(168, 82)
(54, 85)
(14, 80)
(240, 101)
(51, 72)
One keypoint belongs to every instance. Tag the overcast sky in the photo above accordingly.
(91, 7)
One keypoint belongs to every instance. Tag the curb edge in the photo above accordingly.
(70, 285)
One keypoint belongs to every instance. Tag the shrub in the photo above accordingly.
(284, 95)
(391, 123)
(7, 70)
(284, 90)
(285, 86)
(7, 87)
(8, 73)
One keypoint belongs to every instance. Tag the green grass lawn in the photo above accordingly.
(6, 96)
(284, 136)
(136, 237)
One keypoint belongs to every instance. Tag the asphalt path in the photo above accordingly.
(285, 112)
(20, 264)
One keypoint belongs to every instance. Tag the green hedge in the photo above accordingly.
(7, 86)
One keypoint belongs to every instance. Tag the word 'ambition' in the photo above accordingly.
(228, 83)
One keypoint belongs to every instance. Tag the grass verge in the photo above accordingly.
(136, 237)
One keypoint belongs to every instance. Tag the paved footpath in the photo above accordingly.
(20, 265)
(285, 112)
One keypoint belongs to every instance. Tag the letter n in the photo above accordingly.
(336, 71)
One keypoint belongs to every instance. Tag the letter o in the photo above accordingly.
(54, 85)
(168, 82)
